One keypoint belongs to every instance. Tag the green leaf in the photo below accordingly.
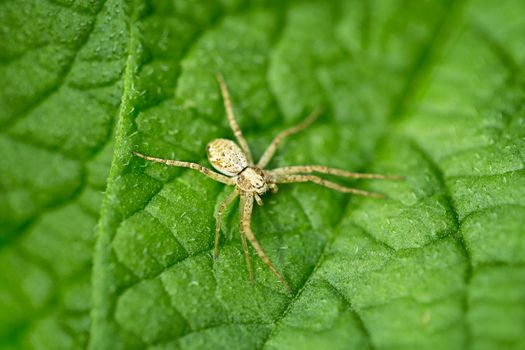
(433, 91)
(61, 65)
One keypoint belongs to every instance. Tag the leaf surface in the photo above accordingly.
(433, 91)
(60, 75)
(400, 88)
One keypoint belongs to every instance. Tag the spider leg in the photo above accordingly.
(220, 212)
(231, 118)
(211, 174)
(246, 209)
(270, 151)
(247, 257)
(322, 182)
(258, 199)
(302, 169)
(245, 243)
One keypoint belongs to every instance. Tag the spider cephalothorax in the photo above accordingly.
(252, 179)
(236, 167)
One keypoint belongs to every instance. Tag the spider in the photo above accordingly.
(251, 180)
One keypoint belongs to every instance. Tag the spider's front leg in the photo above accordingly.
(322, 182)
(242, 205)
(308, 169)
(298, 173)
(258, 199)
(246, 215)
(270, 151)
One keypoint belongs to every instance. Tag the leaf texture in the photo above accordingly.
(433, 91)
(61, 66)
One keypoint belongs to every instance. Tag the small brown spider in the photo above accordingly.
(252, 180)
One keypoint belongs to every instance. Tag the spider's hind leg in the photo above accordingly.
(231, 197)
(177, 163)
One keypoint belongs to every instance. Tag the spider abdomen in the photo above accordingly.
(226, 156)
